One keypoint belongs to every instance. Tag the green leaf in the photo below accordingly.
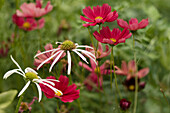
(6, 98)
(1, 3)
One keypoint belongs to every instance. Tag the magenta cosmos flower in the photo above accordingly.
(133, 24)
(124, 104)
(34, 10)
(113, 37)
(66, 46)
(28, 24)
(100, 52)
(43, 56)
(130, 70)
(98, 15)
(66, 94)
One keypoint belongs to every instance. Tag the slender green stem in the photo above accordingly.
(19, 102)
(17, 4)
(164, 95)
(115, 74)
(80, 109)
(111, 68)
(136, 79)
(58, 109)
(91, 38)
(70, 79)
(40, 43)
(42, 106)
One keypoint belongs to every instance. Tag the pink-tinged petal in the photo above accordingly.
(38, 3)
(122, 23)
(89, 24)
(132, 66)
(19, 13)
(125, 34)
(48, 7)
(85, 19)
(133, 27)
(85, 66)
(112, 16)
(143, 72)
(119, 71)
(105, 10)
(133, 21)
(100, 48)
(124, 67)
(108, 41)
(62, 85)
(41, 23)
(49, 93)
(143, 23)
(105, 32)
(98, 36)
(97, 11)
(93, 64)
(88, 12)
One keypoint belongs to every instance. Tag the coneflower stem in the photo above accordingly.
(164, 95)
(115, 74)
(19, 102)
(136, 78)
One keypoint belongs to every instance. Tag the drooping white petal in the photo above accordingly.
(81, 56)
(91, 58)
(28, 69)
(16, 64)
(85, 46)
(39, 92)
(46, 52)
(25, 87)
(46, 80)
(53, 80)
(86, 52)
(58, 42)
(51, 87)
(47, 60)
(57, 58)
(9, 73)
(69, 62)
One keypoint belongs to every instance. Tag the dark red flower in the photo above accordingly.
(66, 94)
(98, 15)
(28, 24)
(113, 37)
(124, 104)
(4, 48)
(133, 24)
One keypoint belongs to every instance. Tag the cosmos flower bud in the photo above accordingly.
(124, 104)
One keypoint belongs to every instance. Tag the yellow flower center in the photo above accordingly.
(31, 76)
(68, 45)
(58, 93)
(97, 70)
(99, 17)
(26, 25)
(112, 39)
(131, 87)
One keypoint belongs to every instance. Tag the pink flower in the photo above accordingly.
(124, 104)
(92, 81)
(130, 70)
(100, 53)
(133, 24)
(66, 94)
(26, 106)
(113, 37)
(98, 15)
(28, 24)
(34, 10)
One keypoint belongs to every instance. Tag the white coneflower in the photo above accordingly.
(31, 75)
(67, 46)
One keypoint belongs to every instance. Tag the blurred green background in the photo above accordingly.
(63, 22)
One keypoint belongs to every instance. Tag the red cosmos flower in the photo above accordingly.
(130, 70)
(43, 56)
(28, 24)
(98, 15)
(133, 24)
(100, 53)
(113, 37)
(69, 93)
(34, 10)
(124, 104)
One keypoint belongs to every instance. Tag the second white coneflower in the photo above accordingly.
(67, 46)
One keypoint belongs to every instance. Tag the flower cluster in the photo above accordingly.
(29, 16)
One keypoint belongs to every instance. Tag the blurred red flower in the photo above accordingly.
(28, 24)
(69, 93)
(133, 24)
(34, 10)
(98, 15)
(124, 104)
(113, 37)
(4, 48)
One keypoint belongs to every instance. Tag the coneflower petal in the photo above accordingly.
(69, 63)
(9, 73)
(81, 56)
(39, 92)
(28, 69)
(25, 87)
(46, 52)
